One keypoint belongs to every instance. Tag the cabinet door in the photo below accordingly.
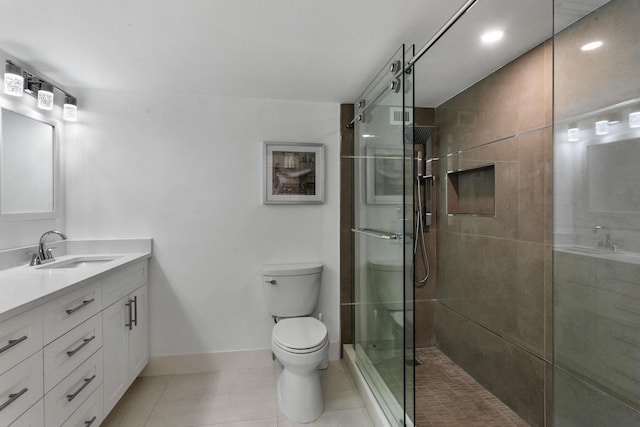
(115, 348)
(139, 335)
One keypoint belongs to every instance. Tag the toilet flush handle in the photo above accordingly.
(272, 281)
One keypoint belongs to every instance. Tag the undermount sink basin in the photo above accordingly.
(79, 262)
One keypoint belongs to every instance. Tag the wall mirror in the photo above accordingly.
(28, 166)
(612, 177)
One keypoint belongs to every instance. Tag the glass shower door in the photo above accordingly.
(383, 258)
(597, 218)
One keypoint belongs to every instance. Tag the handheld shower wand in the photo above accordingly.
(419, 234)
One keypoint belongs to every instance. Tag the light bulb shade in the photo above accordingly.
(45, 96)
(13, 80)
(573, 134)
(70, 109)
(602, 127)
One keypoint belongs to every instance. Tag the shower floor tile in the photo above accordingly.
(446, 396)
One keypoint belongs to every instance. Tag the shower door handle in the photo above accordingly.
(378, 234)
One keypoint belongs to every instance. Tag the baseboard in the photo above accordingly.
(371, 404)
(207, 362)
(218, 361)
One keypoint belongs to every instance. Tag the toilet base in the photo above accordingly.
(300, 396)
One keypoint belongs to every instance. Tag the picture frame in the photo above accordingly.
(293, 173)
(384, 175)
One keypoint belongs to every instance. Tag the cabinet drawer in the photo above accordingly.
(89, 414)
(67, 352)
(34, 417)
(68, 395)
(69, 310)
(20, 387)
(621, 308)
(20, 337)
(123, 282)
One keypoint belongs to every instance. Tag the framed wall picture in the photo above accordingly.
(384, 175)
(294, 173)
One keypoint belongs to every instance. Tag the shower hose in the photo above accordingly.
(420, 238)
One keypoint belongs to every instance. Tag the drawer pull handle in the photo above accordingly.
(13, 397)
(129, 307)
(84, 342)
(84, 304)
(91, 421)
(135, 311)
(70, 397)
(12, 343)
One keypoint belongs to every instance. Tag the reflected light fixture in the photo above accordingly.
(602, 127)
(70, 109)
(18, 81)
(634, 120)
(13, 80)
(591, 46)
(573, 134)
(45, 96)
(492, 36)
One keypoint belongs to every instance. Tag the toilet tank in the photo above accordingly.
(291, 290)
(386, 278)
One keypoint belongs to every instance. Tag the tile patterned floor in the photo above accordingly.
(446, 396)
(233, 398)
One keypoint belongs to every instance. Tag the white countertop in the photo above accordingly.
(24, 287)
(603, 254)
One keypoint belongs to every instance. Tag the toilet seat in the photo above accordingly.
(300, 335)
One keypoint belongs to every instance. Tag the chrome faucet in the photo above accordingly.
(606, 243)
(45, 256)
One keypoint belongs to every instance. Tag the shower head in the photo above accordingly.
(422, 135)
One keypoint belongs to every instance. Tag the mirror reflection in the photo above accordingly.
(26, 165)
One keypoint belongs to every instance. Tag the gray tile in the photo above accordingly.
(513, 375)
(584, 82)
(348, 417)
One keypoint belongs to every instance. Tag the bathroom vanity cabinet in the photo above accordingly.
(68, 359)
(596, 316)
(125, 328)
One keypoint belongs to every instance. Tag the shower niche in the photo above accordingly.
(472, 191)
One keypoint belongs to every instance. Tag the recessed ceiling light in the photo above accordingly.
(591, 45)
(492, 36)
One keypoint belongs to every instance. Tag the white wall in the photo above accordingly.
(187, 172)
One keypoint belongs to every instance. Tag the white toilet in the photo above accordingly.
(300, 342)
(386, 281)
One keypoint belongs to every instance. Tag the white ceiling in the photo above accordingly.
(307, 50)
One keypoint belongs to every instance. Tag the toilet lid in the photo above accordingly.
(299, 333)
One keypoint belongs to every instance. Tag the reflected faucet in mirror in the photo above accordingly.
(606, 243)
(45, 256)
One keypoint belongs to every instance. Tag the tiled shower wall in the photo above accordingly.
(493, 311)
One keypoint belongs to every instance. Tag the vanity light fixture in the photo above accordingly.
(492, 36)
(602, 127)
(18, 81)
(70, 109)
(13, 80)
(634, 120)
(45, 96)
(573, 134)
(591, 46)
